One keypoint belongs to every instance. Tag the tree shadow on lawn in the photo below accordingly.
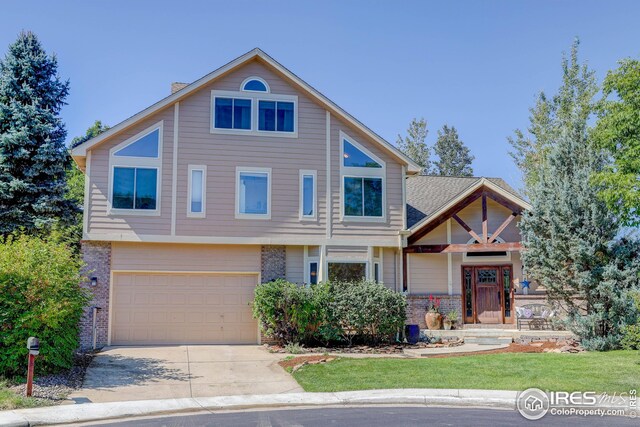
(109, 371)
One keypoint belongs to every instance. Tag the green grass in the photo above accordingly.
(10, 400)
(614, 371)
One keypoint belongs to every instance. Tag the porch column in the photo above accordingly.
(449, 260)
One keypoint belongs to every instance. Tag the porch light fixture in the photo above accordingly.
(94, 281)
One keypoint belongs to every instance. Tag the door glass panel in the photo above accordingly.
(506, 279)
(468, 293)
(487, 276)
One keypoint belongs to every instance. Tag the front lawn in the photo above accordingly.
(614, 371)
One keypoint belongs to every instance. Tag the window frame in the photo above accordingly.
(500, 258)
(255, 98)
(138, 163)
(191, 169)
(314, 175)
(361, 172)
(251, 169)
(260, 79)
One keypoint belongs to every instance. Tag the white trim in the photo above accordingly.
(249, 169)
(255, 98)
(474, 187)
(174, 172)
(260, 79)
(81, 150)
(137, 163)
(322, 266)
(307, 261)
(466, 259)
(191, 169)
(356, 241)
(370, 261)
(87, 191)
(449, 260)
(361, 172)
(328, 202)
(314, 175)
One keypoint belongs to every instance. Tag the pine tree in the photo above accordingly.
(33, 156)
(454, 158)
(550, 116)
(414, 146)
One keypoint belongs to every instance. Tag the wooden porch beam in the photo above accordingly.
(469, 230)
(485, 226)
(502, 227)
(460, 248)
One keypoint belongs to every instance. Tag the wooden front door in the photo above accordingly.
(488, 307)
(487, 294)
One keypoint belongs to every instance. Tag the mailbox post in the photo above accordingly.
(33, 345)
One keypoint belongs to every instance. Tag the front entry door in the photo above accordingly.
(488, 295)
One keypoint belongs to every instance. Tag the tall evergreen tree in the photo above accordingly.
(414, 145)
(551, 116)
(33, 156)
(572, 240)
(454, 158)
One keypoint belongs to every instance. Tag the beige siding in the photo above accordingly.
(347, 253)
(223, 153)
(437, 236)
(389, 276)
(427, 273)
(295, 264)
(185, 257)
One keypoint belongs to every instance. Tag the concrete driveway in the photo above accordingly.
(141, 373)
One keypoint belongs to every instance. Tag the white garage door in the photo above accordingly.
(176, 308)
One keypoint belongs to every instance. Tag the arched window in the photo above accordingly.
(255, 84)
(486, 256)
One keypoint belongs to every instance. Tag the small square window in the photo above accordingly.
(134, 188)
(275, 116)
(232, 113)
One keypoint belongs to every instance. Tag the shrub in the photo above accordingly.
(366, 310)
(631, 333)
(286, 312)
(39, 296)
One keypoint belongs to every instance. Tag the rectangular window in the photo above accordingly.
(232, 113)
(307, 194)
(253, 193)
(135, 188)
(197, 191)
(275, 116)
(347, 271)
(313, 273)
(376, 272)
(362, 197)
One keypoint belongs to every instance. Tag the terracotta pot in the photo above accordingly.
(433, 320)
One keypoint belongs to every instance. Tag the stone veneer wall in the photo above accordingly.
(417, 307)
(273, 264)
(97, 257)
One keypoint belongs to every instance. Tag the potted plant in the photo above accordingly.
(450, 319)
(433, 318)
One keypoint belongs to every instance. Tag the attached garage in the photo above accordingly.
(183, 308)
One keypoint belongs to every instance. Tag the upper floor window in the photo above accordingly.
(254, 110)
(308, 194)
(363, 182)
(232, 113)
(255, 84)
(135, 168)
(197, 191)
(253, 193)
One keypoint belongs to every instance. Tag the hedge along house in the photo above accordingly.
(464, 247)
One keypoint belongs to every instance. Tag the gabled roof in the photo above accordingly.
(81, 150)
(430, 196)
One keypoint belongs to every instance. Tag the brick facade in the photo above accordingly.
(273, 263)
(97, 257)
(417, 307)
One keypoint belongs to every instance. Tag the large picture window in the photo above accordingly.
(253, 193)
(347, 271)
(135, 170)
(363, 182)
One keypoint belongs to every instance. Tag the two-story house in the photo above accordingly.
(249, 174)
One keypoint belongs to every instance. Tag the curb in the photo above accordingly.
(69, 414)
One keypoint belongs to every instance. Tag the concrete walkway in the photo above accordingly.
(140, 373)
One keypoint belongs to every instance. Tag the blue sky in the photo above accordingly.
(476, 65)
